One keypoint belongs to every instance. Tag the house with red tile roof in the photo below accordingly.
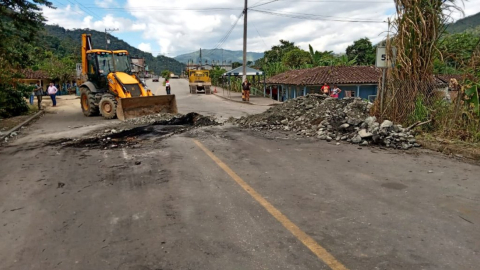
(355, 81)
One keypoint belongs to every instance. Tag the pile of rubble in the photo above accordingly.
(330, 119)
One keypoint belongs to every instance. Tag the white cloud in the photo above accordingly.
(146, 47)
(139, 27)
(106, 3)
(71, 17)
(187, 26)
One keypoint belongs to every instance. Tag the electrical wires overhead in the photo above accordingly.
(222, 41)
(313, 17)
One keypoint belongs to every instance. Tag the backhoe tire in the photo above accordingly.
(108, 107)
(87, 102)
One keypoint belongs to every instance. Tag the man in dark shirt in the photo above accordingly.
(39, 94)
(246, 90)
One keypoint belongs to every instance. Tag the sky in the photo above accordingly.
(174, 27)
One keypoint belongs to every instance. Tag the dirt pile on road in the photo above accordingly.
(330, 119)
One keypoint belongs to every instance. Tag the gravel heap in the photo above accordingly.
(330, 119)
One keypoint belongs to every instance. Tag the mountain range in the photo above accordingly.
(217, 55)
(470, 23)
(59, 38)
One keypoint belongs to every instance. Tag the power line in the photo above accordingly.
(222, 41)
(84, 10)
(338, 1)
(260, 36)
(313, 17)
(263, 4)
(158, 8)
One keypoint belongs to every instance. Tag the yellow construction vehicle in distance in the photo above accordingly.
(199, 81)
(109, 88)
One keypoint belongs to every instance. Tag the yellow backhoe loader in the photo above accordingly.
(109, 88)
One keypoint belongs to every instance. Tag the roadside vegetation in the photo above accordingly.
(424, 49)
(25, 48)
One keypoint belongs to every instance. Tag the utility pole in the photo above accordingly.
(107, 41)
(245, 41)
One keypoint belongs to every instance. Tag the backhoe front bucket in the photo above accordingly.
(128, 108)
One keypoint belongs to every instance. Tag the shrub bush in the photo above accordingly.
(12, 100)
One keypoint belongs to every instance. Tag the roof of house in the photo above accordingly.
(34, 75)
(447, 77)
(239, 72)
(330, 75)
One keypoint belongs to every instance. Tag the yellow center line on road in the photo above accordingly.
(308, 241)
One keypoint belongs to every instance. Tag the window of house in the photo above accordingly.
(350, 93)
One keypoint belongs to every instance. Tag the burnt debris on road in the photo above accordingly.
(330, 119)
(132, 131)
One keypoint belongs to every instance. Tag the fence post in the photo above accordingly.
(382, 92)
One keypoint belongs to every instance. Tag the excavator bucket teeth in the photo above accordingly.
(128, 108)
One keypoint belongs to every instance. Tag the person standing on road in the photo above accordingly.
(325, 89)
(39, 93)
(246, 90)
(52, 91)
(167, 86)
(335, 91)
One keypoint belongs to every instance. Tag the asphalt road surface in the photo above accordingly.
(228, 198)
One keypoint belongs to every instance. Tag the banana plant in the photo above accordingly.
(472, 99)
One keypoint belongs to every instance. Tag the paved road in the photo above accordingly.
(204, 104)
(228, 198)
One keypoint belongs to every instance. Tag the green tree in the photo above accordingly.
(456, 51)
(236, 65)
(296, 58)
(216, 75)
(277, 52)
(326, 58)
(20, 21)
(363, 51)
(166, 74)
(61, 70)
(344, 60)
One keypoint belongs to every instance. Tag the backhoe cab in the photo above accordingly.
(109, 88)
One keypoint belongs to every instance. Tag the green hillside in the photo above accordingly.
(218, 55)
(467, 23)
(63, 42)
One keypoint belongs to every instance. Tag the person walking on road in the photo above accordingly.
(335, 91)
(167, 86)
(52, 92)
(246, 90)
(39, 93)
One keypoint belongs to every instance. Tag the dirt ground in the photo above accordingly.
(8, 123)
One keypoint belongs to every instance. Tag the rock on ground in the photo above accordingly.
(327, 118)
